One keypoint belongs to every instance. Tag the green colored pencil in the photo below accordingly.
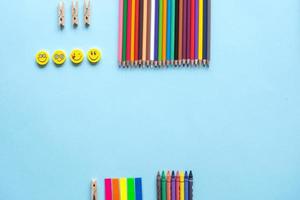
(125, 6)
(160, 34)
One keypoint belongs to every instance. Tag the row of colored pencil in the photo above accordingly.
(164, 32)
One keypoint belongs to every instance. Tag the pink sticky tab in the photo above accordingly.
(107, 185)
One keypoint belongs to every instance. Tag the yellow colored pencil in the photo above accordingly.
(164, 38)
(200, 36)
(132, 30)
(123, 188)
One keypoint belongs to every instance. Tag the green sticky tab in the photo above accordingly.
(130, 189)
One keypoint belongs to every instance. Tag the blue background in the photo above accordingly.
(236, 124)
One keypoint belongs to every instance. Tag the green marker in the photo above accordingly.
(163, 186)
(130, 189)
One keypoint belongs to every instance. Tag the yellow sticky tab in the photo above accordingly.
(59, 57)
(94, 55)
(42, 58)
(123, 189)
(77, 56)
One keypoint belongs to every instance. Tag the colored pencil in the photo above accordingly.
(152, 32)
(144, 54)
(173, 186)
(173, 16)
(177, 185)
(128, 45)
(108, 188)
(123, 189)
(164, 29)
(192, 32)
(208, 30)
(160, 37)
(138, 189)
(188, 30)
(163, 186)
(181, 187)
(180, 35)
(156, 32)
(176, 31)
(124, 35)
(184, 37)
(116, 189)
(205, 30)
(132, 47)
(168, 185)
(148, 32)
(200, 37)
(196, 30)
(169, 13)
(186, 186)
(141, 29)
(120, 32)
(190, 185)
(158, 186)
(136, 33)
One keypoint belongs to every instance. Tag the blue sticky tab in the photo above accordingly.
(138, 189)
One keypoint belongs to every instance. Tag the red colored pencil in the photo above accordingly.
(136, 37)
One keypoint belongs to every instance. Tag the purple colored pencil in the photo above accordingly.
(156, 31)
(188, 30)
(196, 28)
(173, 186)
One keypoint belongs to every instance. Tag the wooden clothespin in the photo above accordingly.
(75, 12)
(87, 12)
(61, 14)
(94, 190)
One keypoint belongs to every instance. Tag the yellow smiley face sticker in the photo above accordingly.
(42, 58)
(94, 55)
(76, 56)
(59, 57)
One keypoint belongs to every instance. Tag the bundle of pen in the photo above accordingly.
(164, 33)
(173, 186)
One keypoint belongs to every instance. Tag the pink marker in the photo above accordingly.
(108, 188)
